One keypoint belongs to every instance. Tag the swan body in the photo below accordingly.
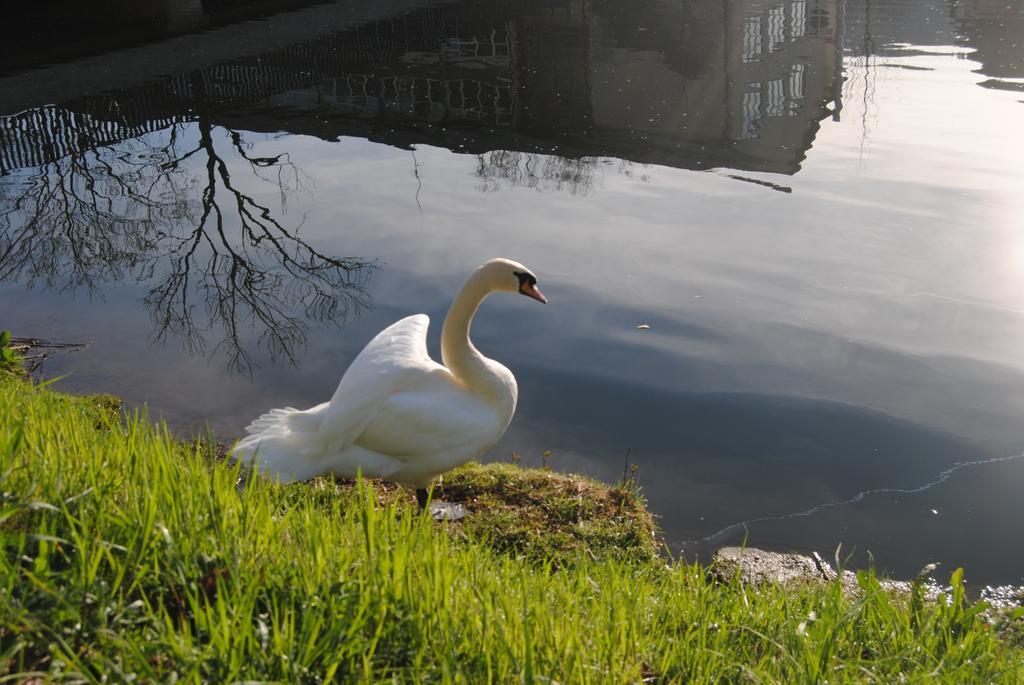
(397, 414)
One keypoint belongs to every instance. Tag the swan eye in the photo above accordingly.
(525, 278)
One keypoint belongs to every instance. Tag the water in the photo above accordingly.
(814, 206)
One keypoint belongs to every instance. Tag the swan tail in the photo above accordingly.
(271, 420)
(279, 448)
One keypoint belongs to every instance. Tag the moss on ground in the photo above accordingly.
(556, 517)
(536, 514)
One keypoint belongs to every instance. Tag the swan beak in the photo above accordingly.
(532, 291)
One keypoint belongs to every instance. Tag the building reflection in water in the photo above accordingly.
(741, 84)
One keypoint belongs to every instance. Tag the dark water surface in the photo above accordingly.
(816, 206)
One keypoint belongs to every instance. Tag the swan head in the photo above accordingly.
(509, 276)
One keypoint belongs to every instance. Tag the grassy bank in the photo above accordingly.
(129, 555)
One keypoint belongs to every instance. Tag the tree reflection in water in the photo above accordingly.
(216, 260)
(545, 173)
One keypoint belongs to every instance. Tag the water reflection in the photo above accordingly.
(163, 208)
(990, 28)
(576, 176)
(994, 30)
(740, 84)
(67, 30)
(131, 183)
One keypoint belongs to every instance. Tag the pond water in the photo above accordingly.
(783, 240)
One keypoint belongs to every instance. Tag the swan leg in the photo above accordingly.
(421, 497)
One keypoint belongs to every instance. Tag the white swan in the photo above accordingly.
(397, 414)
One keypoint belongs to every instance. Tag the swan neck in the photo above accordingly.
(457, 350)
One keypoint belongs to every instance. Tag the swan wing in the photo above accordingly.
(438, 419)
(395, 361)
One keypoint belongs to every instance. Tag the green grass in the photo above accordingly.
(10, 358)
(131, 556)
